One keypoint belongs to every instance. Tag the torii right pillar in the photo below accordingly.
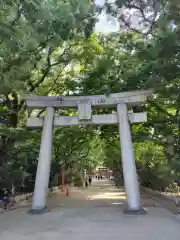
(128, 161)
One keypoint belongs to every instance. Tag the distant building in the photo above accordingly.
(103, 171)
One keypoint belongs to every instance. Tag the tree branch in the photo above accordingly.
(141, 7)
(17, 16)
(45, 71)
(127, 24)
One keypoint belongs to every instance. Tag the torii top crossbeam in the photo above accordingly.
(132, 97)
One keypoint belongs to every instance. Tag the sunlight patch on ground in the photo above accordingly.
(117, 203)
(108, 195)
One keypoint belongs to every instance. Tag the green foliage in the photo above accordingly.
(153, 167)
(78, 181)
(49, 48)
(32, 33)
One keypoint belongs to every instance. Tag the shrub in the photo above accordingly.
(78, 182)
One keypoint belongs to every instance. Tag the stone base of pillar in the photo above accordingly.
(141, 211)
(38, 211)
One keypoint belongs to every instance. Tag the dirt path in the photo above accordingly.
(101, 193)
(93, 213)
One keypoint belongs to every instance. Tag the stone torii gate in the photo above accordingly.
(84, 105)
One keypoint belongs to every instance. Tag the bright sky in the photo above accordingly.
(105, 25)
(109, 24)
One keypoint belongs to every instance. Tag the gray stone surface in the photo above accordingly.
(90, 221)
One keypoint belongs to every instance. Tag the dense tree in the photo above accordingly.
(49, 48)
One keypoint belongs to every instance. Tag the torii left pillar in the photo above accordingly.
(43, 169)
